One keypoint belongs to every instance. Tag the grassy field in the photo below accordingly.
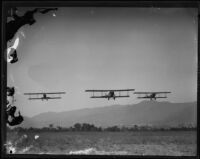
(170, 143)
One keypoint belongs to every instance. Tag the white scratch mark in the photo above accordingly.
(11, 49)
(16, 43)
(22, 33)
(36, 137)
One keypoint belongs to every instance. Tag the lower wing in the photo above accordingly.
(34, 98)
(122, 96)
(151, 97)
(99, 97)
(109, 96)
(54, 97)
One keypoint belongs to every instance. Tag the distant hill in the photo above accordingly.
(146, 112)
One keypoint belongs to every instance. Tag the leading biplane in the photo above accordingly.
(43, 96)
(110, 93)
(152, 95)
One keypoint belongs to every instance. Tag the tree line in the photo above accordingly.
(86, 127)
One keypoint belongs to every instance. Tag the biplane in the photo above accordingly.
(152, 95)
(110, 93)
(43, 96)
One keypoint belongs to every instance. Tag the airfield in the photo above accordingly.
(162, 143)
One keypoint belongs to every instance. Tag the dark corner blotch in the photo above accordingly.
(11, 119)
(14, 57)
(47, 10)
(15, 120)
(10, 91)
(18, 21)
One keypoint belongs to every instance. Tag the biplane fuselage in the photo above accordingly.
(151, 96)
(110, 93)
(47, 98)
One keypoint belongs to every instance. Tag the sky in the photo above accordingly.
(74, 49)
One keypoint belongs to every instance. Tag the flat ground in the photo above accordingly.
(170, 143)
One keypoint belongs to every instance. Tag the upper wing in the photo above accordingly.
(150, 92)
(119, 90)
(161, 92)
(45, 93)
(107, 90)
(34, 98)
(45, 98)
(32, 93)
(96, 90)
(56, 93)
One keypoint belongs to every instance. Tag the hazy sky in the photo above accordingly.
(146, 49)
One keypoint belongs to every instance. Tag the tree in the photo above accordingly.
(113, 128)
(59, 128)
(77, 127)
(136, 127)
(51, 126)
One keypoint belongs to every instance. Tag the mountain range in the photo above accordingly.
(144, 113)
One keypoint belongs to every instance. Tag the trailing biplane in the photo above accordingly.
(43, 96)
(152, 95)
(110, 93)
